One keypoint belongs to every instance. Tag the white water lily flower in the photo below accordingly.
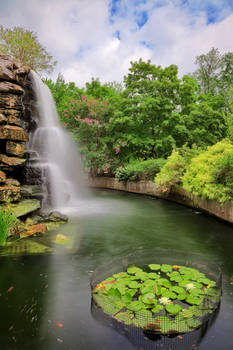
(164, 301)
(190, 286)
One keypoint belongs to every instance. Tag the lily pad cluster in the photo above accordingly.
(161, 298)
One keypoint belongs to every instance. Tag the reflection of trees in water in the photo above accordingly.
(149, 340)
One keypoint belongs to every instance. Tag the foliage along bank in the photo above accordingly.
(128, 132)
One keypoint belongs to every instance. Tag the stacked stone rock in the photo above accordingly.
(14, 126)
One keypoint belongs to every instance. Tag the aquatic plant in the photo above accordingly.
(7, 221)
(174, 299)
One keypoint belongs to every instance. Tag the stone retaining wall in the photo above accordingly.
(15, 118)
(177, 194)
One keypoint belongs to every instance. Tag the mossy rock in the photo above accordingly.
(24, 207)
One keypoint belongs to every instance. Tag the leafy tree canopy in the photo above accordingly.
(24, 45)
(215, 71)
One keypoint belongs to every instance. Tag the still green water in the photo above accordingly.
(45, 300)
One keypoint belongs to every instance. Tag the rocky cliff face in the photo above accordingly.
(15, 122)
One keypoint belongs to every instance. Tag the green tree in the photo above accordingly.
(63, 92)
(207, 72)
(98, 90)
(24, 45)
(215, 71)
(226, 71)
(150, 113)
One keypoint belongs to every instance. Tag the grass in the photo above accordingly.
(7, 221)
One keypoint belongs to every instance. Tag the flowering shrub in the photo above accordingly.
(87, 118)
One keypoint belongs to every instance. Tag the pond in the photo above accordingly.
(45, 300)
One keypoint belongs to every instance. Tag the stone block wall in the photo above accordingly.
(15, 120)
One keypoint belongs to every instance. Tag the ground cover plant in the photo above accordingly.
(140, 170)
(7, 222)
(161, 298)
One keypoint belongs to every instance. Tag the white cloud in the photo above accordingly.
(79, 35)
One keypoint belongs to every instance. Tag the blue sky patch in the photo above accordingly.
(114, 9)
(146, 44)
(141, 18)
(117, 34)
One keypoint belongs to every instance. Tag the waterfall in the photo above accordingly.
(55, 153)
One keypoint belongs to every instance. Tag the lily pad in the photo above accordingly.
(166, 268)
(169, 294)
(134, 269)
(182, 296)
(135, 306)
(193, 300)
(125, 317)
(149, 298)
(142, 275)
(114, 292)
(154, 267)
(173, 309)
(193, 323)
(134, 284)
(157, 308)
(177, 289)
(127, 297)
(153, 275)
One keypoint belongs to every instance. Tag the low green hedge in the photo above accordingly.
(140, 170)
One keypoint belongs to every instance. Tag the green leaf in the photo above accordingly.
(127, 298)
(121, 274)
(169, 294)
(166, 268)
(134, 284)
(193, 323)
(193, 300)
(177, 289)
(142, 318)
(146, 289)
(173, 309)
(157, 308)
(154, 267)
(125, 317)
(142, 275)
(149, 298)
(114, 292)
(182, 296)
(135, 306)
(187, 313)
(133, 269)
(164, 282)
(153, 275)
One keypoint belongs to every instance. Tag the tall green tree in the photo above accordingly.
(207, 72)
(215, 71)
(149, 117)
(24, 45)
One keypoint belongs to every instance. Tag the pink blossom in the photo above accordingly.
(117, 149)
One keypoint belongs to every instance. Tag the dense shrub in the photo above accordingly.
(140, 170)
(210, 174)
(173, 170)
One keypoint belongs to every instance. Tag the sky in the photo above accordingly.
(99, 38)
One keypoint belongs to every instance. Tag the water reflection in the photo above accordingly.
(55, 289)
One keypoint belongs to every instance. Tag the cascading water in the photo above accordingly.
(54, 152)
